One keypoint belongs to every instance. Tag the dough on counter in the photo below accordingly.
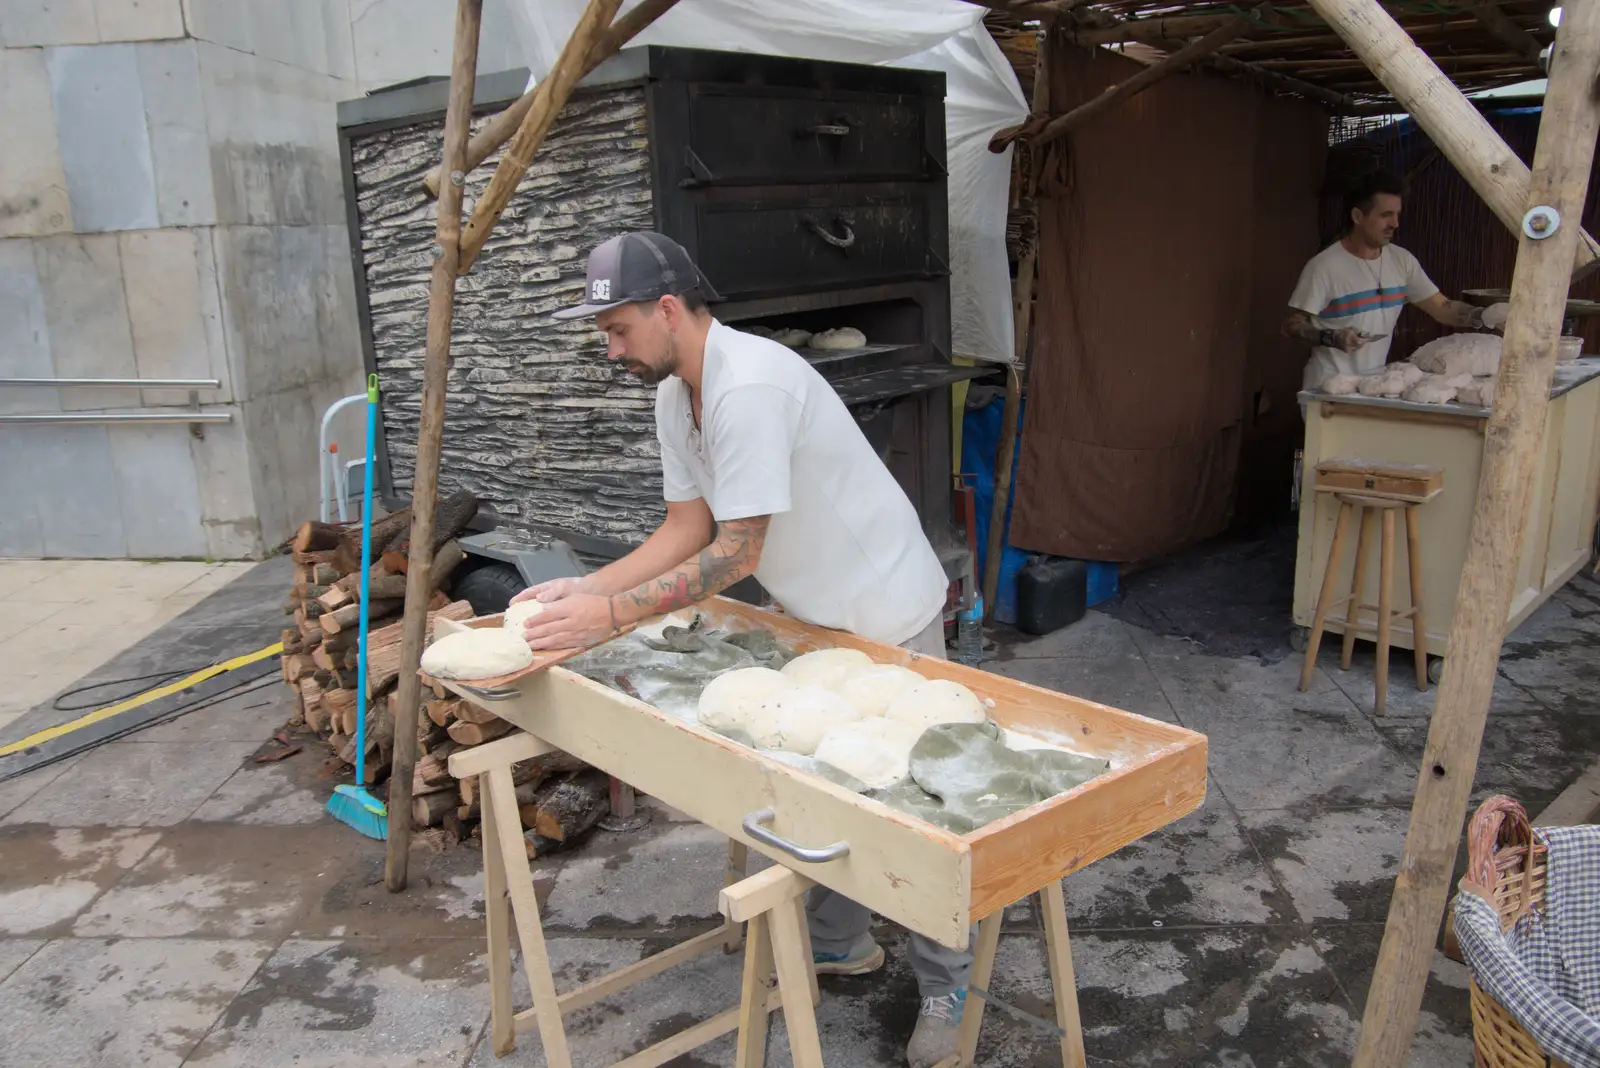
(731, 699)
(1339, 385)
(937, 701)
(1456, 354)
(520, 613)
(1435, 389)
(1382, 384)
(845, 337)
(828, 668)
(875, 751)
(874, 690)
(1479, 395)
(477, 653)
(796, 720)
(1410, 373)
(792, 337)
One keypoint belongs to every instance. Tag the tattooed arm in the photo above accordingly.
(1300, 325)
(1442, 309)
(583, 618)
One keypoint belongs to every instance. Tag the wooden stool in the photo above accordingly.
(1362, 487)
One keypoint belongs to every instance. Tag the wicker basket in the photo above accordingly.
(1503, 853)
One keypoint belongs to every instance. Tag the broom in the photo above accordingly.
(353, 805)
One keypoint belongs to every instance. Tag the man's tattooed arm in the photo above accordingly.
(732, 555)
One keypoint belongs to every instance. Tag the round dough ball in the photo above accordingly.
(827, 667)
(845, 337)
(876, 751)
(796, 720)
(874, 690)
(730, 699)
(792, 337)
(1338, 385)
(935, 702)
(520, 613)
(477, 653)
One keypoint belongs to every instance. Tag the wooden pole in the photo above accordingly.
(498, 130)
(1041, 129)
(425, 484)
(1340, 102)
(1448, 118)
(1560, 179)
(1022, 323)
(549, 97)
(1499, 23)
(1180, 28)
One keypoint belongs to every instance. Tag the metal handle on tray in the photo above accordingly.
(506, 693)
(821, 231)
(753, 826)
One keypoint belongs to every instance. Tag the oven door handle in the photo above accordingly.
(754, 827)
(845, 240)
(839, 127)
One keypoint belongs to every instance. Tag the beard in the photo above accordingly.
(652, 375)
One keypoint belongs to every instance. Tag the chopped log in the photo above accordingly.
(569, 806)
(445, 560)
(434, 766)
(428, 809)
(443, 712)
(348, 555)
(323, 679)
(313, 610)
(385, 587)
(383, 656)
(313, 536)
(478, 733)
(310, 559)
(325, 574)
(452, 513)
(350, 615)
(348, 755)
(335, 597)
(296, 665)
(307, 591)
(343, 641)
(341, 705)
(323, 659)
(469, 790)
(395, 563)
(467, 712)
(313, 704)
(430, 735)
(338, 741)
(438, 600)
(310, 629)
(438, 689)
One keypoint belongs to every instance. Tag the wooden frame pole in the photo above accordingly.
(430, 434)
(498, 130)
(1560, 180)
(1465, 137)
(549, 97)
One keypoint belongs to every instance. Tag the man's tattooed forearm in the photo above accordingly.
(1299, 325)
(731, 556)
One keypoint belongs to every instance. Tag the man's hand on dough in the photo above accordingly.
(574, 620)
(554, 590)
(1347, 340)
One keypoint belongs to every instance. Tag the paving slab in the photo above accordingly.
(1406, 702)
(19, 788)
(354, 1002)
(51, 874)
(252, 716)
(1444, 1029)
(1124, 682)
(150, 785)
(1095, 635)
(292, 791)
(212, 881)
(598, 888)
(1201, 870)
(1337, 864)
(443, 896)
(107, 1003)
(15, 951)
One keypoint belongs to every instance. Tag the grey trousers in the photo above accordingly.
(837, 922)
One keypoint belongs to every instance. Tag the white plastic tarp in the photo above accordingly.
(982, 95)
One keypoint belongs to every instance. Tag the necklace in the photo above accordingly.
(1377, 271)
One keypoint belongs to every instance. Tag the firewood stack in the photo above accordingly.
(559, 797)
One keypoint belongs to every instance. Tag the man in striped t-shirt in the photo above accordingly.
(1350, 294)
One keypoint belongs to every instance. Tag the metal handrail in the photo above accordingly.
(182, 416)
(117, 383)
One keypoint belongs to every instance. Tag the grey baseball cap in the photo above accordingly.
(639, 266)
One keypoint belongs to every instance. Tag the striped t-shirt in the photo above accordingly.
(1342, 290)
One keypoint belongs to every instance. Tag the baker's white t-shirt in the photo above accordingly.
(1342, 290)
(845, 548)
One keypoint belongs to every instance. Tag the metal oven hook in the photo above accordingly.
(845, 241)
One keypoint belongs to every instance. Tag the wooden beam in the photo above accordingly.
(1179, 28)
(1341, 103)
(1465, 137)
(1030, 9)
(1560, 179)
(1499, 23)
(549, 97)
(425, 482)
(498, 130)
(1042, 130)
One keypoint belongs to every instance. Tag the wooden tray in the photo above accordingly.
(928, 879)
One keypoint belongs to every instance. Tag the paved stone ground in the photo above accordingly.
(166, 900)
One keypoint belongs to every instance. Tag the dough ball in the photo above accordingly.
(827, 667)
(1339, 385)
(1480, 394)
(730, 699)
(477, 653)
(520, 613)
(845, 337)
(1378, 385)
(937, 701)
(872, 691)
(791, 337)
(796, 720)
(1433, 389)
(1457, 354)
(876, 751)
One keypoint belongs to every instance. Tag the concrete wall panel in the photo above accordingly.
(226, 490)
(33, 187)
(180, 150)
(34, 23)
(139, 20)
(81, 279)
(398, 40)
(75, 491)
(156, 487)
(174, 311)
(24, 335)
(105, 145)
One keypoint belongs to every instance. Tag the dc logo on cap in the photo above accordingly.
(600, 289)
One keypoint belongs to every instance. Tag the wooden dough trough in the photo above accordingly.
(925, 878)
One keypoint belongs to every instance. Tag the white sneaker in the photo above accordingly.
(938, 1023)
(863, 957)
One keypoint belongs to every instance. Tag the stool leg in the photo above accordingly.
(795, 972)
(738, 866)
(497, 909)
(1319, 621)
(759, 981)
(1063, 981)
(1419, 625)
(1358, 579)
(1385, 580)
(983, 954)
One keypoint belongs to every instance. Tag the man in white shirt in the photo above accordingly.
(765, 473)
(1350, 294)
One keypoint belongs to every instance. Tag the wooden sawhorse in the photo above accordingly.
(765, 912)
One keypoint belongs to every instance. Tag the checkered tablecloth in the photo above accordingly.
(1546, 969)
